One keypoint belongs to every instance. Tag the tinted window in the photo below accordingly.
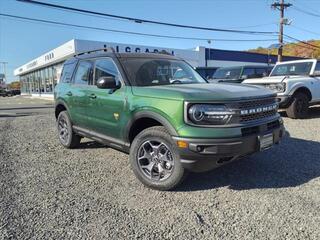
(84, 73)
(105, 68)
(227, 73)
(262, 72)
(67, 71)
(249, 72)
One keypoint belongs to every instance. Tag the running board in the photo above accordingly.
(112, 142)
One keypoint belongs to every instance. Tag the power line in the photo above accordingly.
(306, 12)
(139, 20)
(125, 20)
(303, 46)
(301, 41)
(130, 32)
(304, 30)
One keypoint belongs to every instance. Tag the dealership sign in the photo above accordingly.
(67, 50)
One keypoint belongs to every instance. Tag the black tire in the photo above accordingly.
(165, 161)
(299, 106)
(66, 135)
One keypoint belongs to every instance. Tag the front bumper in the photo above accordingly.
(206, 154)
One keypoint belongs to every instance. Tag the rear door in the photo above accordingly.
(79, 101)
(106, 107)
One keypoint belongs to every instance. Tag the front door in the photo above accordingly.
(106, 107)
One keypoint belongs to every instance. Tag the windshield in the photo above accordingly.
(300, 68)
(152, 72)
(227, 73)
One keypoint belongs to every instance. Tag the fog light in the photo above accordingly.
(182, 144)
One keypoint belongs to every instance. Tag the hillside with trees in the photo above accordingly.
(295, 49)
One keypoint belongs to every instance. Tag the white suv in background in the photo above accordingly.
(297, 84)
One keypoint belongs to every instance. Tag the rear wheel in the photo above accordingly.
(66, 135)
(155, 160)
(299, 106)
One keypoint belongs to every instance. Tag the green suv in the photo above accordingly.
(158, 109)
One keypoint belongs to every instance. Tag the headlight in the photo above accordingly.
(278, 87)
(207, 114)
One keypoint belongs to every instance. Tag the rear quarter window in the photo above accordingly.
(67, 72)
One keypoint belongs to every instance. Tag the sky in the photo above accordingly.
(22, 41)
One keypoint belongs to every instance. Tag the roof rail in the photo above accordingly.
(106, 49)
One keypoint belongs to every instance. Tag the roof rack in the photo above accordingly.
(107, 49)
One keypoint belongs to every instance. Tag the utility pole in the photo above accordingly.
(281, 6)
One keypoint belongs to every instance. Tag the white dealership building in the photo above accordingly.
(40, 75)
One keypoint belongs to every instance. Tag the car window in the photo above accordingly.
(67, 72)
(290, 69)
(249, 72)
(84, 73)
(262, 72)
(227, 73)
(104, 68)
(317, 66)
(151, 72)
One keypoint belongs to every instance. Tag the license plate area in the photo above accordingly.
(266, 141)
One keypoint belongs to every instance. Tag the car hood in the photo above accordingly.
(274, 79)
(207, 92)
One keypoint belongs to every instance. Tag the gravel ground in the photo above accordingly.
(48, 192)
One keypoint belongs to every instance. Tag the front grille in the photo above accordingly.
(257, 109)
(257, 103)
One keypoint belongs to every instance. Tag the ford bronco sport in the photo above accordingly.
(157, 108)
(297, 84)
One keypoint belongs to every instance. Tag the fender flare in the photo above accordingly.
(149, 114)
(61, 102)
(297, 87)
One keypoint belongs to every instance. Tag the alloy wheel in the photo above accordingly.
(155, 160)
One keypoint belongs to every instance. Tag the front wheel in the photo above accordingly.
(155, 160)
(299, 106)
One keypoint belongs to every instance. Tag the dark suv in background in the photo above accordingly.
(239, 74)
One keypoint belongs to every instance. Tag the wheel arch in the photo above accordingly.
(302, 89)
(59, 107)
(146, 119)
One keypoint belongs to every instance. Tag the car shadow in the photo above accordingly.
(291, 163)
(314, 112)
(91, 144)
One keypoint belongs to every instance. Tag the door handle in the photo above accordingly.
(69, 93)
(93, 96)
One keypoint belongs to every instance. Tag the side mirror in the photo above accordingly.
(108, 82)
(316, 73)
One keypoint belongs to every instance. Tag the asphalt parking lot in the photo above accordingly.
(48, 192)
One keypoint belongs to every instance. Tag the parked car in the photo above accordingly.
(239, 74)
(158, 109)
(5, 92)
(15, 92)
(297, 84)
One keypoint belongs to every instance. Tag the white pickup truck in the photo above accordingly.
(297, 84)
